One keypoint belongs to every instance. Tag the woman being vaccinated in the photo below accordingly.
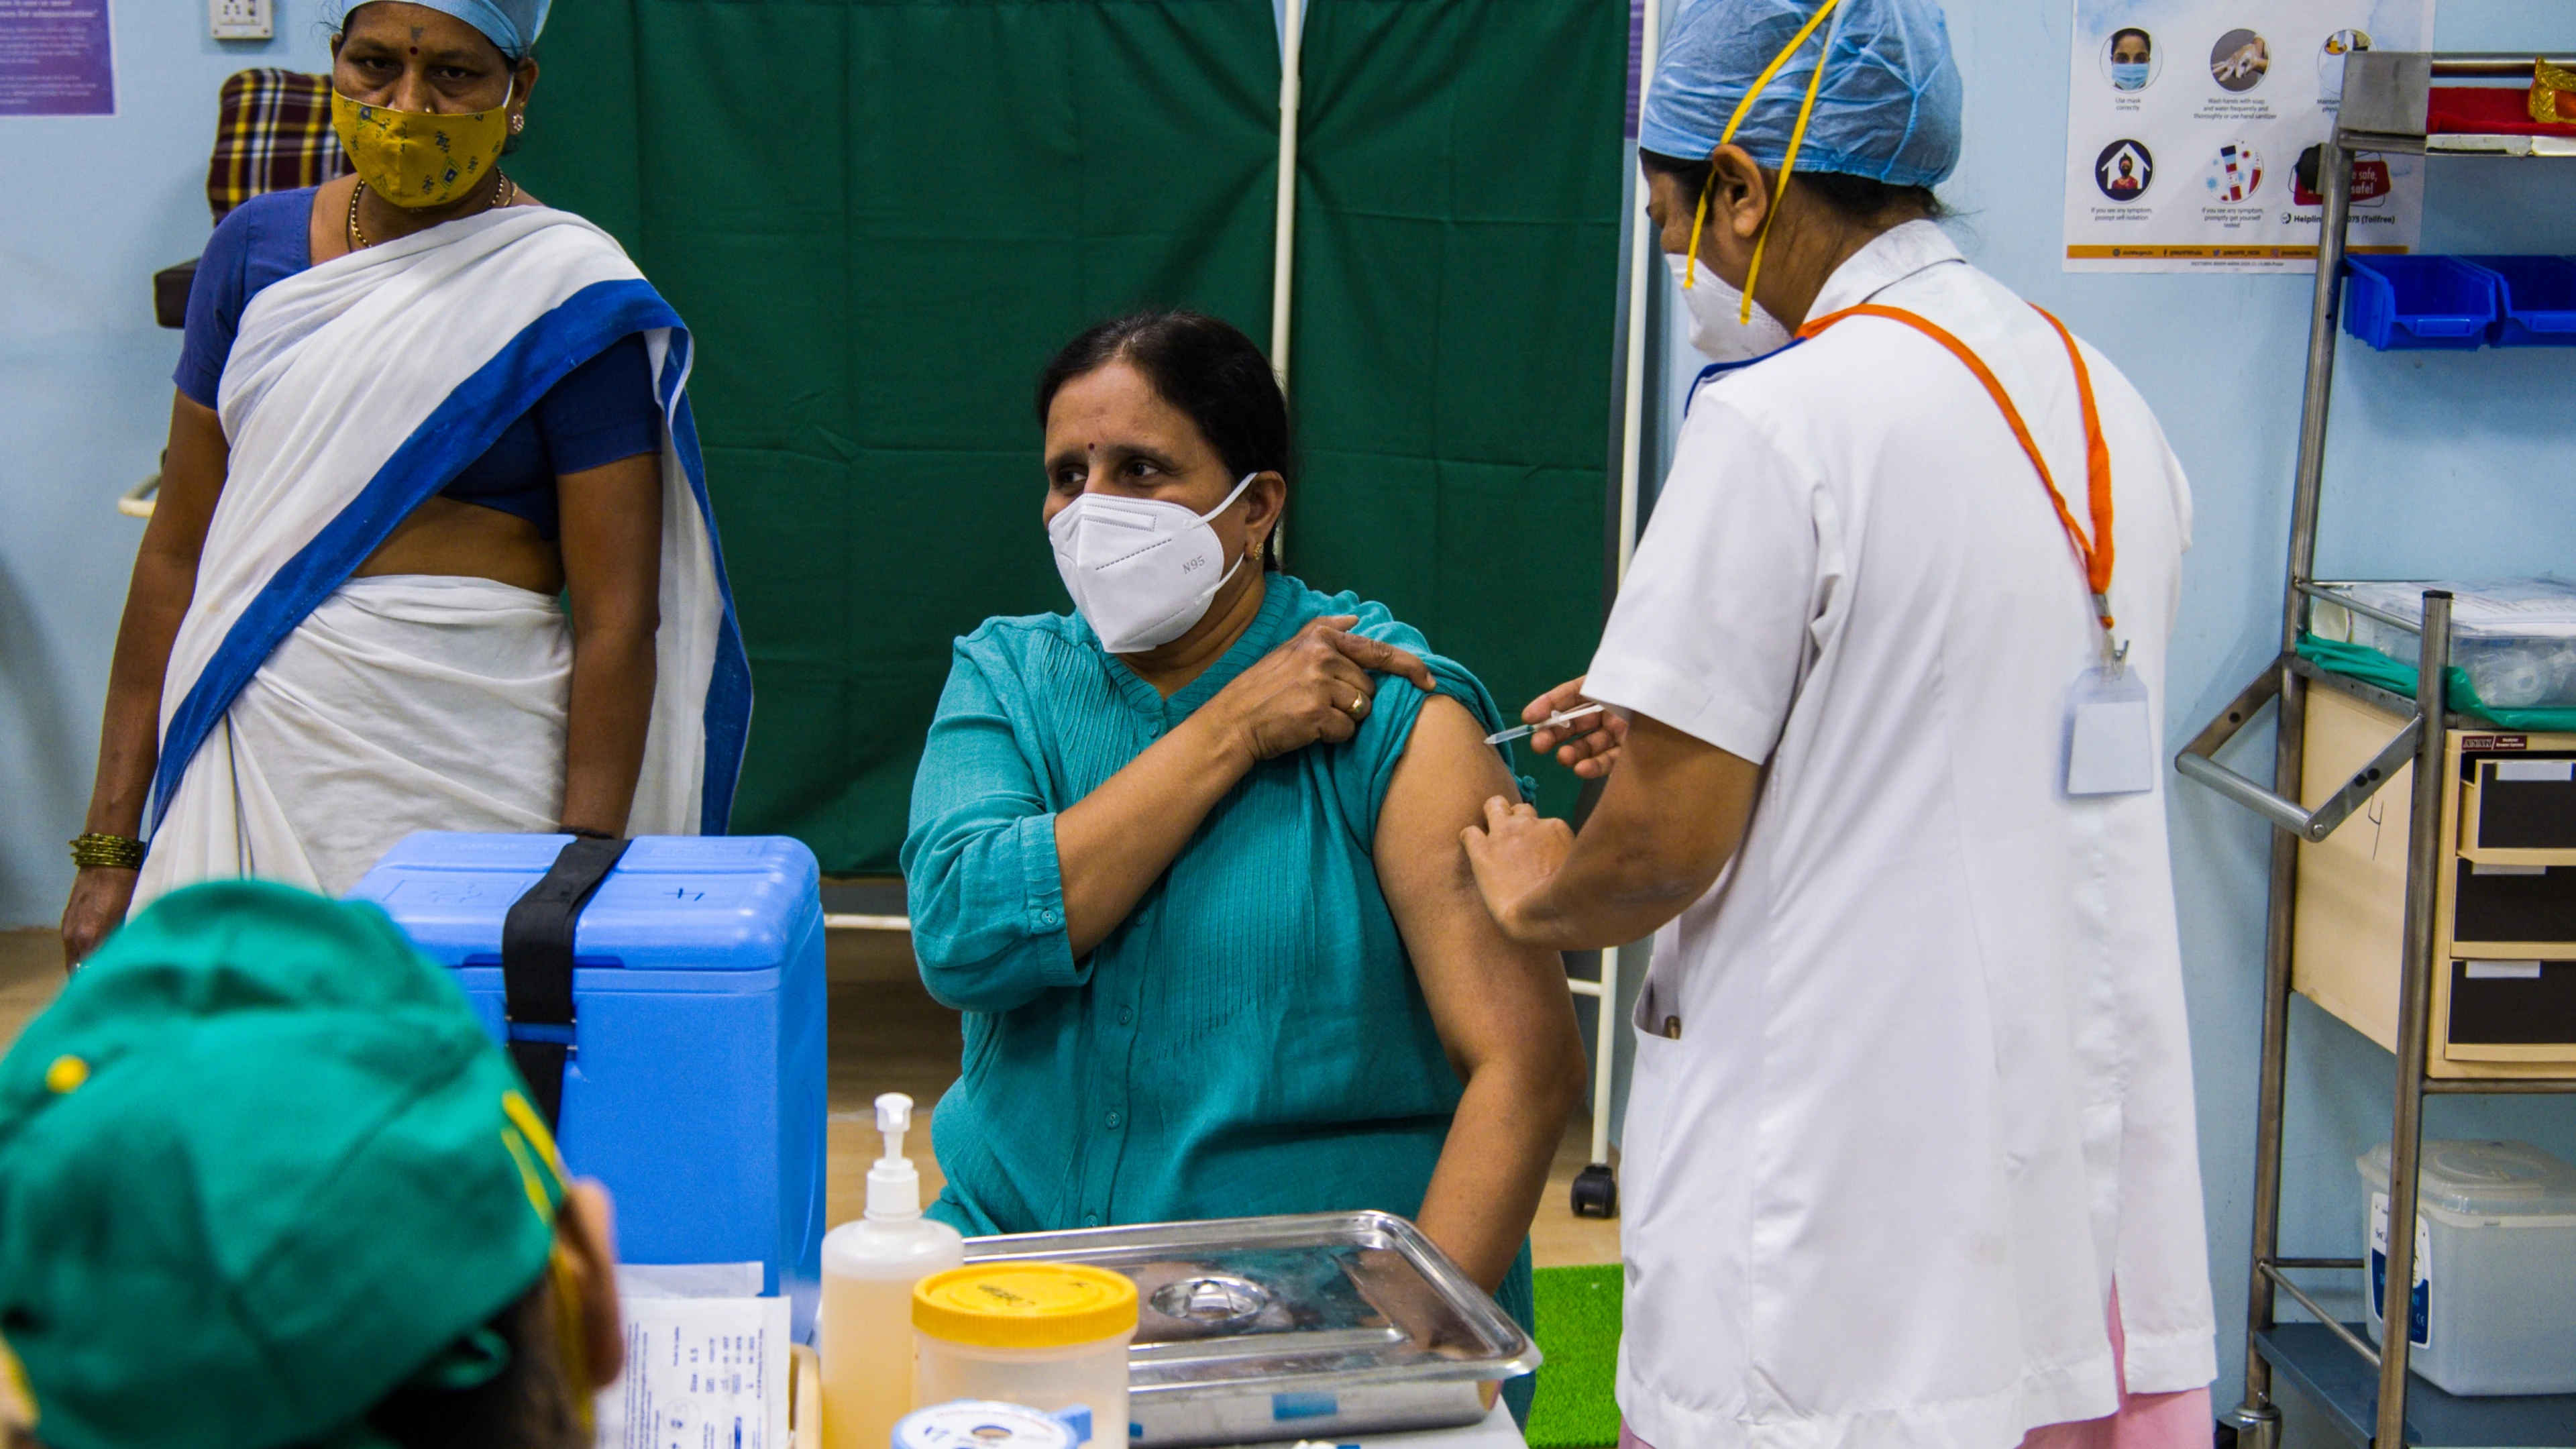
(1910, 1155)
(415, 408)
(1189, 860)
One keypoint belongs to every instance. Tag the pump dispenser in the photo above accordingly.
(894, 1184)
(869, 1269)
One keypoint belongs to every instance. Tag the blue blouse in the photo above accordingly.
(1251, 1039)
(598, 413)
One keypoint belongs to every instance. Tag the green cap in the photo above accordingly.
(259, 1166)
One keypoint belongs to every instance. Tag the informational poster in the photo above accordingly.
(57, 58)
(2192, 129)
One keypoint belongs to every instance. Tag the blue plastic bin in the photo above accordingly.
(2402, 303)
(695, 1087)
(2536, 301)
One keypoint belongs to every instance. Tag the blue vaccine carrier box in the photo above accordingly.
(694, 1089)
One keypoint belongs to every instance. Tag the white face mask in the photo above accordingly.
(1714, 308)
(1141, 570)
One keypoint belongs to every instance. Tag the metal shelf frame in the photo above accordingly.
(2386, 96)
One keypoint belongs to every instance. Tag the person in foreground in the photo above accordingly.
(415, 407)
(1188, 859)
(264, 1182)
(1910, 1155)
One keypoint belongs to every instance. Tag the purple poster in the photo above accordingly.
(57, 58)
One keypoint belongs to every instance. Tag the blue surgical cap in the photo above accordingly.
(510, 24)
(1888, 108)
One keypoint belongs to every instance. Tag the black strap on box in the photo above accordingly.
(536, 963)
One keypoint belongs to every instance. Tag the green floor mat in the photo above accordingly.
(1578, 1330)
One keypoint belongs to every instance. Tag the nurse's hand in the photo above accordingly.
(1316, 686)
(1588, 746)
(1514, 856)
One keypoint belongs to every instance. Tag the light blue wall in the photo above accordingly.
(2451, 464)
(95, 205)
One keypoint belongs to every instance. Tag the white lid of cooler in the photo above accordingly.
(2484, 1179)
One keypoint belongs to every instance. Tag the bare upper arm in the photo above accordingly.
(193, 468)
(1489, 995)
(611, 535)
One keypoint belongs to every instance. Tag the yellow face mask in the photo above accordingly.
(421, 158)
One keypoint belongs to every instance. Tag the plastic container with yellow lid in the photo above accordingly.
(1052, 1336)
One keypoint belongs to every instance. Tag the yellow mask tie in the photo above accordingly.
(1797, 136)
(1788, 163)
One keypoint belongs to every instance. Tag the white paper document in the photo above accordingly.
(2110, 736)
(701, 1373)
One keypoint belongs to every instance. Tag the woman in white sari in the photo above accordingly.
(416, 409)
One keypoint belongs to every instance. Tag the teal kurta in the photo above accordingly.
(1251, 1039)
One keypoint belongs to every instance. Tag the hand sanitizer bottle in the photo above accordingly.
(869, 1269)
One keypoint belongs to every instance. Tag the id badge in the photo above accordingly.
(2110, 750)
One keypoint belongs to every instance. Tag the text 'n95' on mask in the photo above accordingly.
(1142, 571)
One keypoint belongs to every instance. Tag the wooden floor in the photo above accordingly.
(31, 971)
(887, 1036)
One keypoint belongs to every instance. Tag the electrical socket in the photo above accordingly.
(242, 19)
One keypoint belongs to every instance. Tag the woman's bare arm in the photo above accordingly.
(156, 599)
(1502, 1008)
(1112, 844)
(612, 561)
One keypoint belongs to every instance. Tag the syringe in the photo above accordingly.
(1556, 721)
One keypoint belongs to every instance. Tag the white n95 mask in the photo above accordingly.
(1141, 570)
(1714, 307)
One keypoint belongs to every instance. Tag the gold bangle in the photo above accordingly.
(2551, 86)
(116, 852)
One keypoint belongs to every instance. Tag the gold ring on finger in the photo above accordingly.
(1359, 705)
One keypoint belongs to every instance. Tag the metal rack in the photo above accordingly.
(2366, 1391)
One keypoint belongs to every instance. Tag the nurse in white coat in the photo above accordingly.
(1909, 1152)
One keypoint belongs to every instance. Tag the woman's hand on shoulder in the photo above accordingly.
(1316, 686)
(1114, 843)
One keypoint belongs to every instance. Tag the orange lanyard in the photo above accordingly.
(2095, 551)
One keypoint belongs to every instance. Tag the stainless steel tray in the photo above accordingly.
(1316, 1326)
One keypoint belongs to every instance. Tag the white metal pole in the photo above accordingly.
(1642, 251)
(1283, 246)
(1283, 239)
(1605, 1042)
(1642, 254)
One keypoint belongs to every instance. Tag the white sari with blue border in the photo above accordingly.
(305, 714)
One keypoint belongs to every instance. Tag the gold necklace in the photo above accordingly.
(504, 191)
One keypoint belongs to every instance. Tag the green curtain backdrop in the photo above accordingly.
(881, 216)
(1456, 294)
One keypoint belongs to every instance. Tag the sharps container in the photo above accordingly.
(2494, 1300)
(981, 1424)
(664, 998)
(1052, 1336)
